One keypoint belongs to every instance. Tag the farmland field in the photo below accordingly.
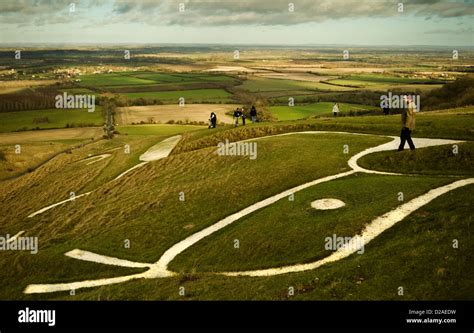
(190, 96)
(111, 80)
(316, 109)
(263, 84)
(175, 113)
(51, 118)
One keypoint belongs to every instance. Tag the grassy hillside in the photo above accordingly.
(154, 212)
(50, 118)
(301, 111)
(291, 232)
(449, 124)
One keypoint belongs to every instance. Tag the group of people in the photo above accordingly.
(408, 120)
(238, 113)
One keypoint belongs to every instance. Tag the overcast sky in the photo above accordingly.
(343, 22)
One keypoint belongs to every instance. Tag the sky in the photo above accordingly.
(272, 22)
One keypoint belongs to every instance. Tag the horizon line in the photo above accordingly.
(154, 44)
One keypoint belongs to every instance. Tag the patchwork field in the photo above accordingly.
(12, 86)
(258, 84)
(190, 96)
(166, 113)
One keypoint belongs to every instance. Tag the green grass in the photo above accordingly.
(354, 83)
(146, 210)
(56, 118)
(191, 96)
(154, 215)
(447, 124)
(416, 253)
(292, 232)
(187, 77)
(301, 111)
(165, 78)
(400, 256)
(216, 78)
(99, 80)
(373, 79)
(439, 160)
(158, 129)
(78, 91)
(256, 84)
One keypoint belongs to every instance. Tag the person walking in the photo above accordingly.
(237, 114)
(253, 114)
(335, 110)
(213, 120)
(408, 124)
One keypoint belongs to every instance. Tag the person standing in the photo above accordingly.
(335, 110)
(237, 114)
(408, 124)
(213, 120)
(243, 116)
(253, 114)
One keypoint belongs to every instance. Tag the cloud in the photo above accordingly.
(230, 12)
(469, 31)
(42, 12)
(277, 12)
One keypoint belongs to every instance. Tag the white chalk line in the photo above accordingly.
(139, 165)
(371, 231)
(155, 154)
(160, 268)
(96, 158)
(13, 238)
(101, 259)
(73, 198)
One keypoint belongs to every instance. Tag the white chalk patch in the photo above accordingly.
(325, 204)
(161, 149)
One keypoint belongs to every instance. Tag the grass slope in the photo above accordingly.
(48, 119)
(301, 111)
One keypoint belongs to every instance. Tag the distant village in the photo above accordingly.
(72, 73)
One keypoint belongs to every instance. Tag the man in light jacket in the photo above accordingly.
(408, 124)
(335, 109)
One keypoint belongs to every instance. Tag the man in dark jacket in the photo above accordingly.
(213, 120)
(237, 114)
(253, 114)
